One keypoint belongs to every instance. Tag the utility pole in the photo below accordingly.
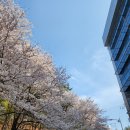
(119, 121)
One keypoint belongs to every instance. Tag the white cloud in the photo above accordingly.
(81, 77)
(108, 97)
(100, 61)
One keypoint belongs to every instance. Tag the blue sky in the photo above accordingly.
(71, 31)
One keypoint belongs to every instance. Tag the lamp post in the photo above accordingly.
(118, 120)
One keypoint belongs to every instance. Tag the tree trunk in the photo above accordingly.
(15, 122)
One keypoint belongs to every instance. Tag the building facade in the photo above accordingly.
(116, 38)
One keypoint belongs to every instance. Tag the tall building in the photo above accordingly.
(116, 38)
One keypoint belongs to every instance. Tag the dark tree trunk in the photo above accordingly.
(15, 122)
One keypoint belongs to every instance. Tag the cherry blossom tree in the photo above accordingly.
(33, 85)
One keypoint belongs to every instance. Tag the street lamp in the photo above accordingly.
(118, 120)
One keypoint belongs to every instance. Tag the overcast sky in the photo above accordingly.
(71, 31)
